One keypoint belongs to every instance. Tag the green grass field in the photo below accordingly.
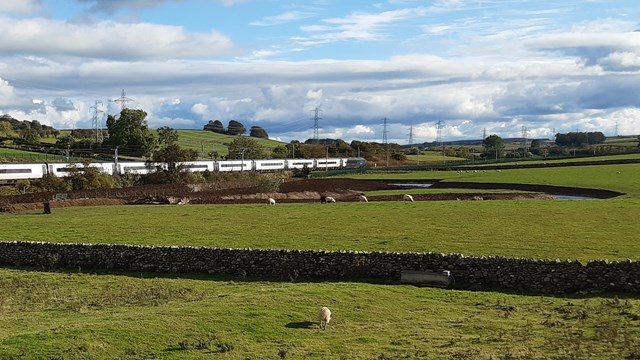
(8, 154)
(622, 140)
(74, 315)
(195, 139)
(622, 178)
(509, 228)
(431, 157)
(60, 315)
(565, 160)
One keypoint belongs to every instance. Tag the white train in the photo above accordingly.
(12, 172)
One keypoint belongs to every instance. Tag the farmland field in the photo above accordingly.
(79, 315)
(26, 156)
(195, 139)
(141, 316)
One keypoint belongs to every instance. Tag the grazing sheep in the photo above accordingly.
(362, 198)
(272, 201)
(324, 317)
(330, 200)
(407, 197)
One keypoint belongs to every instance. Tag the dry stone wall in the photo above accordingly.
(523, 275)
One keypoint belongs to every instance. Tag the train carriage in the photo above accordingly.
(12, 172)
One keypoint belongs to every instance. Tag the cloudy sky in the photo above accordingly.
(499, 65)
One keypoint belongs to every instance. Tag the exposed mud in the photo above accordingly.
(291, 191)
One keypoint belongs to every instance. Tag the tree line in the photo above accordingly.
(235, 128)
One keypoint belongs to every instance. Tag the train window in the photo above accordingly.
(272, 164)
(15, 171)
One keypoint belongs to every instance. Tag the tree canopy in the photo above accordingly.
(259, 132)
(245, 147)
(170, 152)
(215, 126)
(130, 130)
(235, 128)
(493, 146)
(579, 139)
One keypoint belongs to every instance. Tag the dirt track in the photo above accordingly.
(294, 190)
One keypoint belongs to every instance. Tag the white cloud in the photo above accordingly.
(199, 109)
(360, 130)
(7, 94)
(621, 61)
(109, 40)
(20, 6)
(111, 6)
(285, 17)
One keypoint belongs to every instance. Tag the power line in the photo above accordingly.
(122, 100)
(440, 125)
(385, 132)
(96, 120)
(316, 125)
(411, 136)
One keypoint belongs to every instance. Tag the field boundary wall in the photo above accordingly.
(478, 273)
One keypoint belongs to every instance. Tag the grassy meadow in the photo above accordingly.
(551, 229)
(54, 314)
(58, 315)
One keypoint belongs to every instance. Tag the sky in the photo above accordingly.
(476, 66)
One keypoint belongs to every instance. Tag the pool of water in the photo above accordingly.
(572, 197)
(418, 185)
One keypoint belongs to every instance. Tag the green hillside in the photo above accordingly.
(196, 139)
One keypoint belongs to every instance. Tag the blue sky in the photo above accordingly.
(498, 65)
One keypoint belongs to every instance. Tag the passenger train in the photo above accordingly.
(12, 172)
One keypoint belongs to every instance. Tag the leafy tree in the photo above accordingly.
(169, 151)
(215, 126)
(235, 128)
(167, 136)
(5, 128)
(493, 146)
(535, 143)
(281, 152)
(578, 139)
(86, 177)
(65, 141)
(245, 147)
(257, 131)
(36, 126)
(131, 131)
(29, 135)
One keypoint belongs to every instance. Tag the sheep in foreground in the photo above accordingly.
(272, 201)
(330, 200)
(324, 317)
(362, 198)
(407, 197)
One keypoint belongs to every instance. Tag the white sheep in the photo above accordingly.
(362, 198)
(407, 197)
(324, 317)
(272, 201)
(330, 200)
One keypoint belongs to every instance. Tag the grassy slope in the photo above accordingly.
(26, 156)
(81, 316)
(193, 139)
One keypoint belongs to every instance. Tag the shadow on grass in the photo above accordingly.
(231, 279)
(301, 325)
